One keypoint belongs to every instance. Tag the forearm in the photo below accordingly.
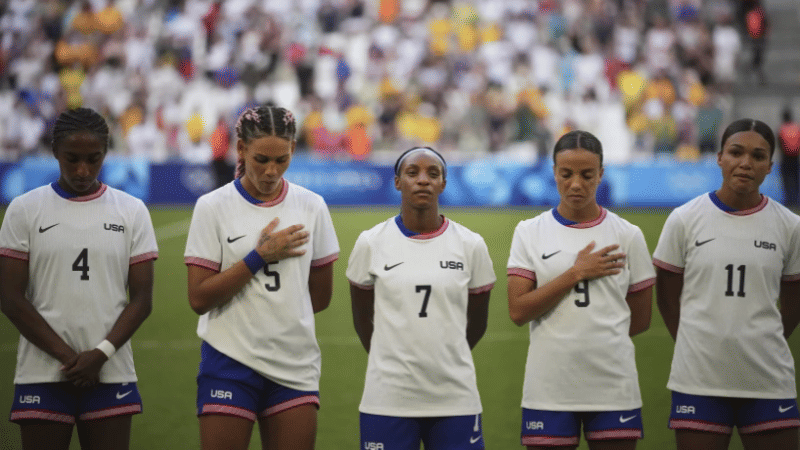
(668, 292)
(320, 287)
(641, 305)
(533, 304)
(363, 306)
(209, 290)
(477, 317)
(33, 327)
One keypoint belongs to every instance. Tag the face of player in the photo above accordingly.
(745, 161)
(265, 161)
(80, 157)
(578, 173)
(421, 180)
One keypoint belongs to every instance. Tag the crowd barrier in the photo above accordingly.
(485, 182)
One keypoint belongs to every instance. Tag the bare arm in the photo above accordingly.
(84, 368)
(363, 304)
(31, 324)
(208, 289)
(477, 317)
(790, 306)
(320, 286)
(527, 302)
(668, 297)
(641, 306)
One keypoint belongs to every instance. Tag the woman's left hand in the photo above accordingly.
(83, 370)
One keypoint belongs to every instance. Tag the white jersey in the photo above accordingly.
(730, 336)
(79, 250)
(420, 364)
(581, 357)
(269, 325)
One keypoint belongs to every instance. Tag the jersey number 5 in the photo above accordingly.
(81, 264)
(276, 277)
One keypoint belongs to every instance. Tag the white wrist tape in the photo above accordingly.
(107, 348)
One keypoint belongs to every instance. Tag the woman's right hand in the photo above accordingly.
(590, 265)
(277, 245)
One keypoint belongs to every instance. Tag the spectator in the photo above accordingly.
(789, 142)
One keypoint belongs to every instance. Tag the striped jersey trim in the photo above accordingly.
(289, 404)
(227, 410)
(624, 433)
(572, 224)
(246, 195)
(78, 198)
(684, 424)
(642, 285)
(325, 261)
(736, 212)
(202, 262)
(524, 273)
(549, 440)
(123, 410)
(794, 277)
(666, 266)
(481, 289)
(143, 257)
(366, 287)
(35, 414)
(771, 425)
(22, 256)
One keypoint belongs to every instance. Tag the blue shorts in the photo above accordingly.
(721, 414)
(560, 428)
(65, 403)
(229, 388)
(405, 433)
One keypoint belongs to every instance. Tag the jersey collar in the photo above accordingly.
(77, 198)
(572, 224)
(737, 212)
(414, 235)
(284, 190)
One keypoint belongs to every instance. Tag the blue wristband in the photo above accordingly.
(254, 262)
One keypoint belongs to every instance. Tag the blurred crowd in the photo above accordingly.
(373, 77)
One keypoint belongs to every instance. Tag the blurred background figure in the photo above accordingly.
(789, 142)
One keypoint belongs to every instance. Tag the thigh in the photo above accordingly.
(701, 440)
(389, 433)
(294, 428)
(550, 428)
(786, 439)
(111, 433)
(38, 434)
(453, 433)
(613, 425)
(219, 432)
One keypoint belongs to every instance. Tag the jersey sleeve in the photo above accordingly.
(519, 259)
(202, 245)
(483, 276)
(670, 253)
(642, 274)
(326, 245)
(358, 266)
(143, 245)
(15, 232)
(791, 267)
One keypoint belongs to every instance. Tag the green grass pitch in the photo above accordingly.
(167, 349)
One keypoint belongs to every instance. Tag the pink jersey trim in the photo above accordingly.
(549, 440)
(124, 410)
(289, 404)
(22, 256)
(519, 272)
(684, 424)
(642, 285)
(481, 289)
(227, 410)
(144, 257)
(201, 262)
(771, 425)
(433, 234)
(279, 198)
(592, 223)
(86, 198)
(667, 266)
(41, 415)
(325, 261)
(753, 210)
(366, 287)
(795, 277)
(630, 433)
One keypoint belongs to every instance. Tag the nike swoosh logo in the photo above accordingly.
(42, 230)
(473, 440)
(120, 396)
(626, 419)
(698, 243)
(387, 267)
(782, 410)
(231, 241)
(551, 254)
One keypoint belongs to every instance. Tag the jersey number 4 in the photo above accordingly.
(81, 264)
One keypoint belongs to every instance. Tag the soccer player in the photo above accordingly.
(70, 253)
(420, 287)
(723, 261)
(257, 288)
(581, 276)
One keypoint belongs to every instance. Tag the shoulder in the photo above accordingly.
(782, 214)
(464, 233)
(305, 195)
(122, 197)
(537, 221)
(624, 225)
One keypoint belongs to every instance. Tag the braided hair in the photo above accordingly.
(78, 120)
(262, 121)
